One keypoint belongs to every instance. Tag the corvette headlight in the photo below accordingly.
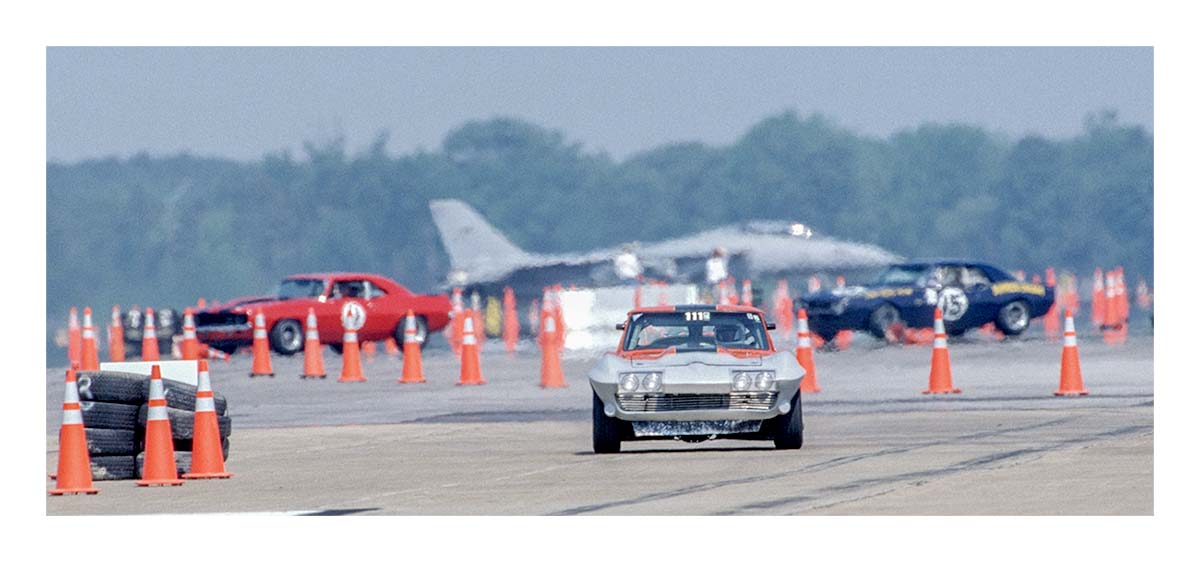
(629, 382)
(652, 382)
(742, 381)
(764, 380)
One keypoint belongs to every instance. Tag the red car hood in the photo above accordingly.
(248, 303)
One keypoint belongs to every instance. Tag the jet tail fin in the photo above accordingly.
(474, 245)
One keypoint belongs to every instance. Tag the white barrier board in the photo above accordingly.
(179, 371)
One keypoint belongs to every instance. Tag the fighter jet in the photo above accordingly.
(483, 259)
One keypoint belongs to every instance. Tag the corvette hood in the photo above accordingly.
(683, 359)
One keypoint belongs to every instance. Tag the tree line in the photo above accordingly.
(158, 230)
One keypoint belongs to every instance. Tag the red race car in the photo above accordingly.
(231, 325)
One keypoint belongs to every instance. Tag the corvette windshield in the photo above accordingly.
(696, 330)
(301, 288)
(903, 275)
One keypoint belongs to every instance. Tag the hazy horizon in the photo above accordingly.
(242, 103)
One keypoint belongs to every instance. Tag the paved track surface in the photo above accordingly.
(874, 444)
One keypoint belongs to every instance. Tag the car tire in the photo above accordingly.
(286, 337)
(183, 463)
(1013, 318)
(110, 442)
(882, 321)
(336, 347)
(182, 420)
(113, 468)
(606, 431)
(107, 415)
(110, 386)
(789, 427)
(422, 332)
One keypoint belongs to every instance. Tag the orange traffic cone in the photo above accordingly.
(1070, 378)
(90, 360)
(314, 364)
(469, 373)
(1050, 323)
(455, 333)
(814, 284)
(512, 326)
(1112, 319)
(74, 338)
(262, 350)
(637, 294)
(207, 459)
(843, 339)
(747, 293)
(189, 349)
(390, 347)
(116, 337)
(149, 337)
(369, 349)
(351, 362)
(74, 474)
(412, 352)
(552, 373)
(804, 354)
(939, 371)
(159, 468)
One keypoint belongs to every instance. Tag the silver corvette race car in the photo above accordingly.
(695, 373)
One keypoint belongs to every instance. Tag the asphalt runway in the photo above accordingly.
(873, 443)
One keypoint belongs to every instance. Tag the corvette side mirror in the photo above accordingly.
(770, 325)
(621, 326)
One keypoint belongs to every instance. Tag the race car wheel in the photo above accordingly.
(606, 431)
(884, 322)
(422, 332)
(1013, 318)
(287, 337)
(789, 427)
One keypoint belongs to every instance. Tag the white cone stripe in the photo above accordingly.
(156, 390)
(1069, 341)
(350, 337)
(188, 322)
(259, 321)
(939, 326)
(805, 341)
(550, 328)
(312, 335)
(72, 417)
(189, 334)
(410, 323)
(87, 333)
(203, 382)
(311, 322)
(939, 343)
(206, 404)
(157, 413)
(71, 396)
(469, 339)
(260, 333)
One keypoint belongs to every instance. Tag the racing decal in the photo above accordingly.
(953, 302)
(697, 316)
(353, 316)
(1008, 287)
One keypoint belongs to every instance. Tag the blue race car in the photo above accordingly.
(969, 293)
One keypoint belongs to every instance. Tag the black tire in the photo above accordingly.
(183, 396)
(882, 320)
(286, 337)
(183, 463)
(181, 422)
(336, 347)
(110, 386)
(107, 415)
(110, 442)
(185, 445)
(1013, 318)
(422, 332)
(113, 468)
(606, 431)
(789, 428)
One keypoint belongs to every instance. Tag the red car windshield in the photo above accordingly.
(696, 330)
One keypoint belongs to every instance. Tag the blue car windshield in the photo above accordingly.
(903, 275)
(695, 330)
(301, 288)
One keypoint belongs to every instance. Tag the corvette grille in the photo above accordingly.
(740, 401)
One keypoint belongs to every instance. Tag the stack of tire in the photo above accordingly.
(114, 417)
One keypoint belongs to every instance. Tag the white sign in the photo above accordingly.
(181, 371)
(353, 316)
